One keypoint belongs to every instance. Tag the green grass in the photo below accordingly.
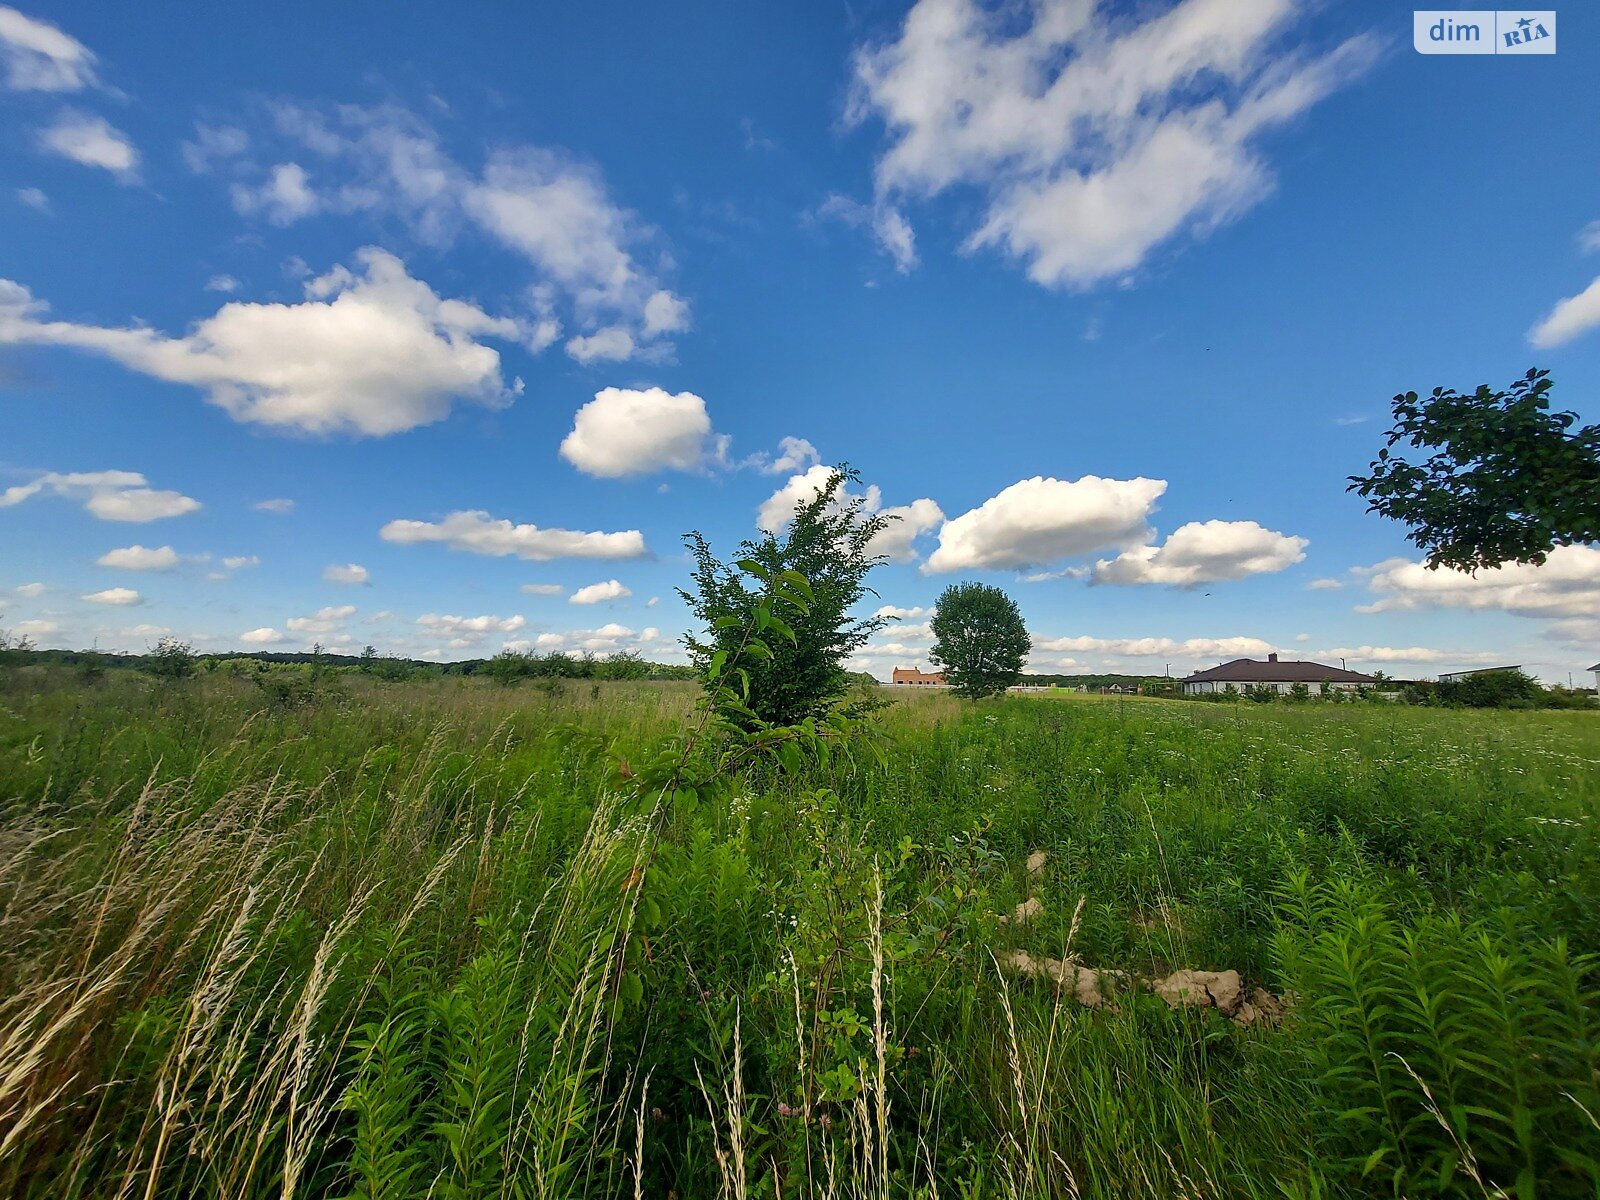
(395, 940)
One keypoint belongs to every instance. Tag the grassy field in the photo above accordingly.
(393, 940)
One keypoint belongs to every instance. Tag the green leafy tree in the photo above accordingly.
(825, 546)
(624, 664)
(171, 659)
(1506, 480)
(1493, 689)
(509, 666)
(979, 639)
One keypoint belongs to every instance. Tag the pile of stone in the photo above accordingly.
(1220, 990)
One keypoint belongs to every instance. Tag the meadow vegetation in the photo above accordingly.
(447, 937)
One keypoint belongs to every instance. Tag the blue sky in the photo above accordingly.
(437, 330)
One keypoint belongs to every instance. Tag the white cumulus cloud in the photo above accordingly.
(92, 142)
(140, 558)
(478, 533)
(372, 352)
(1566, 584)
(1041, 520)
(109, 495)
(598, 593)
(1204, 552)
(265, 636)
(907, 521)
(627, 432)
(116, 595)
(346, 573)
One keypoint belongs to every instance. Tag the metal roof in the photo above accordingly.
(1249, 670)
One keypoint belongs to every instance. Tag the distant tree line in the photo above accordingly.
(175, 659)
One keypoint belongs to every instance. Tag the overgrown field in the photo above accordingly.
(392, 940)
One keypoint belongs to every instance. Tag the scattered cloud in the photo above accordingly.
(222, 283)
(887, 224)
(478, 533)
(214, 144)
(323, 622)
(627, 432)
(29, 591)
(907, 522)
(280, 507)
(374, 353)
(598, 593)
(38, 57)
(36, 628)
(458, 633)
(543, 589)
(1039, 521)
(1570, 318)
(1204, 552)
(117, 596)
(605, 641)
(1352, 419)
(1589, 237)
(351, 573)
(1161, 647)
(795, 456)
(283, 198)
(895, 613)
(550, 209)
(1404, 654)
(145, 631)
(1567, 584)
(109, 495)
(34, 198)
(1324, 585)
(611, 344)
(92, 142)
(265, 636)
(140, 558)
(1092, 138)
(236, 561)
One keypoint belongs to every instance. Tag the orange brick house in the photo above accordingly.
(914, 675)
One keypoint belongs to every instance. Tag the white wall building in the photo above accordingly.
(1244, 673)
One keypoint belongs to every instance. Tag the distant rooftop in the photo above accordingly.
(1250, 670)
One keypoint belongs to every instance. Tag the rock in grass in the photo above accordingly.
(1221, 990)
(1036, 862)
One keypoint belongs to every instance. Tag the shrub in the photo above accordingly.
(825, 545)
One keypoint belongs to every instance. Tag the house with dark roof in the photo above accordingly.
(917, 677)
(1244, 673)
